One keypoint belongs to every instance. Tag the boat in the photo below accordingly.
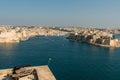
(27, 72)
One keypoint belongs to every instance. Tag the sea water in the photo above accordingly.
(67, 60)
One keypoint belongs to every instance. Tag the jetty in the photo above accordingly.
(27, 73)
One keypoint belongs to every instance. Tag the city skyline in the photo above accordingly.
(86, 13)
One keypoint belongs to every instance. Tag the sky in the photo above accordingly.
(87, 13)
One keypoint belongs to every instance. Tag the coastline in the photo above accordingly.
(93, 36)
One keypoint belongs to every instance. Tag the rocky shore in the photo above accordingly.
(96, 37)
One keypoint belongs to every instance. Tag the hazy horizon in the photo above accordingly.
(80, 13)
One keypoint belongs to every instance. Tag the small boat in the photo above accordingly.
(27, 72)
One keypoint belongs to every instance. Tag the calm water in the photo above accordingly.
(70, 60)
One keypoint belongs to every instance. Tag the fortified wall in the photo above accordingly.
(95, 37)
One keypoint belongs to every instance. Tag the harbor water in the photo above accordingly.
(67, 60)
